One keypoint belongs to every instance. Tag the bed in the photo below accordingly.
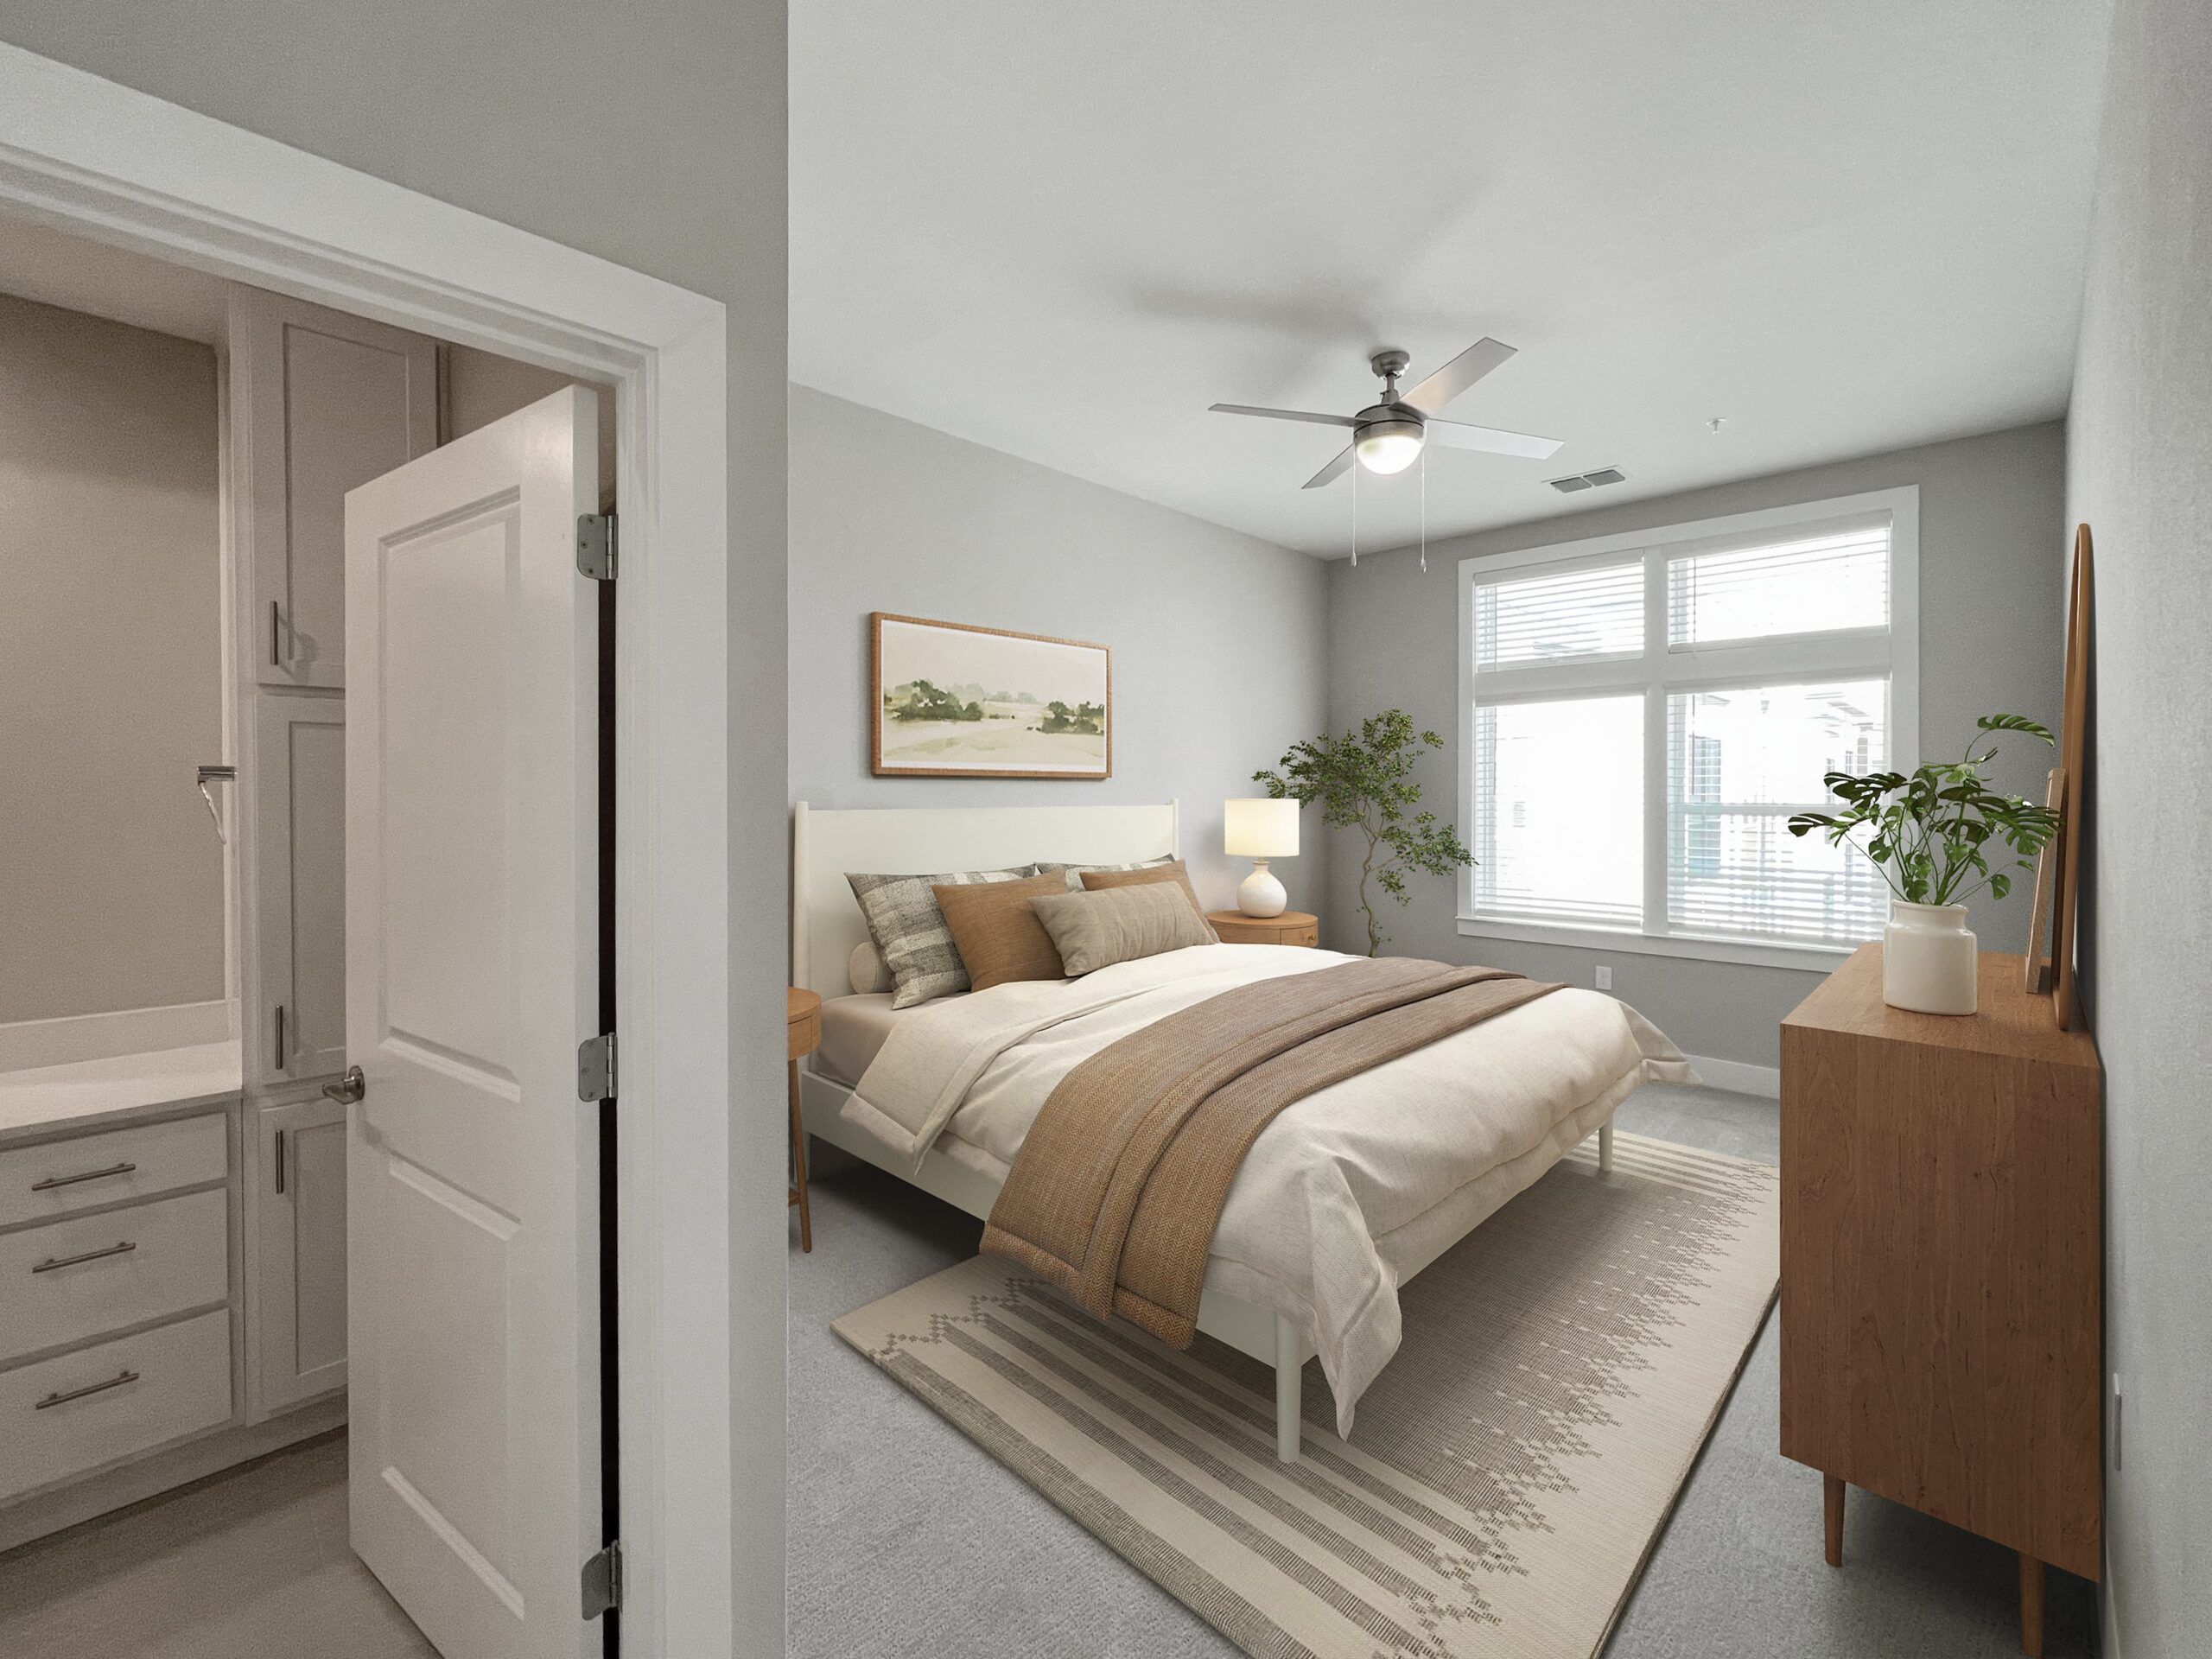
(1338, 1203)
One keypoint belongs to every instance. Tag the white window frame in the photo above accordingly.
(1657, 672)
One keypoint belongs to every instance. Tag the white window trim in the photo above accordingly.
(1656, 671)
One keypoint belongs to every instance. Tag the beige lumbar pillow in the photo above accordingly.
(997, 934)
(1098, 928)
(866, 968)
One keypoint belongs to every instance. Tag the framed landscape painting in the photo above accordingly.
(952, 700)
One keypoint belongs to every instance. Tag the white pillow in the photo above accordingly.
(868, 971)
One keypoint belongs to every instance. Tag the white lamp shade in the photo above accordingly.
(1260, 828)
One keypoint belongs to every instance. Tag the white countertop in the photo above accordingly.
(63, 1096)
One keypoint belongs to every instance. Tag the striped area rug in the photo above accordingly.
(1509, 1472)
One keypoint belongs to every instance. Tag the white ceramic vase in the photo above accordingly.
(1927, 959)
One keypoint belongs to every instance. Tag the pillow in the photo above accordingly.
(866, 968)
(1074, 872)
(1144, 874)
(998, 936)
(909, 928)
(1103, 926)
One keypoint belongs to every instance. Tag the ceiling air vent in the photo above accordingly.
(1598, 479)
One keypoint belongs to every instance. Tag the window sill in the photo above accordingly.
(1805, 958)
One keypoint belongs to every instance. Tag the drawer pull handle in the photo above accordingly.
(53, 1261)
(66, 1395)
(53, 1181)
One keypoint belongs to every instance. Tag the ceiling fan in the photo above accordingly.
(1387, 435)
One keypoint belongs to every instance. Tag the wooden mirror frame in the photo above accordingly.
(2074, 734)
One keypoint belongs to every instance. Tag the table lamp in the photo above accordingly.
(1260, 831)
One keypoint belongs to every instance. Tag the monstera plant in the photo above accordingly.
(1363, 781)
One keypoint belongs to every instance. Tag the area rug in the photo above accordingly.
(1509, 1472)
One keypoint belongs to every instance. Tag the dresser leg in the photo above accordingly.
(1831, 1513)
(798, 1167)
(2032, 1607)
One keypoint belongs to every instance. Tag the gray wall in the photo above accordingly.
(1217, 638)
(2139, 450)
(1990, 511)
(111, 666)
(650, 133)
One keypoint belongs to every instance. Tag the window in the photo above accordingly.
(1644, 713)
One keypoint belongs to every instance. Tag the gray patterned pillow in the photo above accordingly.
(1074, 872)
(910, 930)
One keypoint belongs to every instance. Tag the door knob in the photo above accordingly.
(349, 1087)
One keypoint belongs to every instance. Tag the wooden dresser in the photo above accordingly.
(1941, 1264)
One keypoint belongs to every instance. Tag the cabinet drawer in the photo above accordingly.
(59, 1178)
(62, 1417)
(82, 1278)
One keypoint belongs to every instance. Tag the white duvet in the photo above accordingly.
(1348, 1192)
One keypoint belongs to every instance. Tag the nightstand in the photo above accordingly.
(802, 1035)
(1292, 927)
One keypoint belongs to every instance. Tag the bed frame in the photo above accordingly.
(826, 923)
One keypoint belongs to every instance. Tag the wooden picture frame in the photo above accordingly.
(954, 700)
(2073, 757)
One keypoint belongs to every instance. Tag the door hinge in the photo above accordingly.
(595, 545)
(603, 1581)
(595, 1068)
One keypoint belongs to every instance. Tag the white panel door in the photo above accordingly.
(321, 402)
(300, 1251)
(295, 1029)
(472, 975)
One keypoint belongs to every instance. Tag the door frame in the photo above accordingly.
(100, 160)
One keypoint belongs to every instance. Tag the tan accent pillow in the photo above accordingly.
(867, 970)
(1103, 926)
(998, 936)
(1095, 880)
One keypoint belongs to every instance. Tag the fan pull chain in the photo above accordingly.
(1424, 509)
(1354, 510)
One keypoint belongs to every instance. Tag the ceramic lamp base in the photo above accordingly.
(1929, 959)
(1262, 894)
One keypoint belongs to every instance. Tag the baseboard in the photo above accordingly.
(132, 1483)
(1744, 1078)
(29, 1043)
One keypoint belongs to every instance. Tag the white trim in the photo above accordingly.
(100, 160)
(1739, 1075)
(67, 1039)
(1810, 959)
(1658, 670)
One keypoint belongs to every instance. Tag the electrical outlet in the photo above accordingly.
(1605, 979)
(2118, 1418)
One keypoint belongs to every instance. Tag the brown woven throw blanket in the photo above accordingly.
(1117, 1190)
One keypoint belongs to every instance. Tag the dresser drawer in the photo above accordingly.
(62, 1417)
(59, 1178)
(70, 1279)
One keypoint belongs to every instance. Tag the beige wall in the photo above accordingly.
(111, 672)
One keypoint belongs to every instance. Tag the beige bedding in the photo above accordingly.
(1348, 1191)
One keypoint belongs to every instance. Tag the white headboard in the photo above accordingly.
(826, 843)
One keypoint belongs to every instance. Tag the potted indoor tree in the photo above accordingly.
(1933, 836)
(1363, 781)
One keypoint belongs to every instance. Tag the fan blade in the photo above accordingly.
(1281, 414)
(1458, 434)
(1330, 473)
(1455, 377)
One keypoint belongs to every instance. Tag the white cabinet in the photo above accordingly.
(295, 1024)
(300, 1253)
(320, 403)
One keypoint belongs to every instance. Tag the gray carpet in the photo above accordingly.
(905, 1539)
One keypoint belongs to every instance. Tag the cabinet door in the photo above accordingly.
(320, 402)
(300, 1252)
(297, 1027)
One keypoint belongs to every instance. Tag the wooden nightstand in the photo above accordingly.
(802, 1035)
(1292, 927)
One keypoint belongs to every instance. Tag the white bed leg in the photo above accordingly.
(1290, 1373)
(1606, 1147)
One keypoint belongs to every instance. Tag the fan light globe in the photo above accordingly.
(1389, 446)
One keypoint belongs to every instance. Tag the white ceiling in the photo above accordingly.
(39, 263)
(1063, 231)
